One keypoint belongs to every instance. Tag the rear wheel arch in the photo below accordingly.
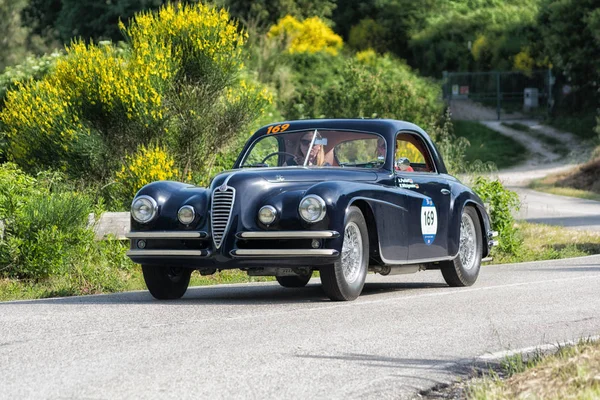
(456, 226)
(477, 207)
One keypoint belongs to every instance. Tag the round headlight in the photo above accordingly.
(186, 215)
(312, 208)
(144, 209)
(267, 214)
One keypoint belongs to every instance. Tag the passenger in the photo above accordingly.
(317, 152)
(403, 164)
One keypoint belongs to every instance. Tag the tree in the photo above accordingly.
(263, 13)
(64, 20)
(570, 32)
(12, 34)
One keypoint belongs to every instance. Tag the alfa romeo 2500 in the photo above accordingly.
(343, 197)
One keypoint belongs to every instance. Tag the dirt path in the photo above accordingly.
(545, 160)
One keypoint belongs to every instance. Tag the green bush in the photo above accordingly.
(45, 225)
(502, 202)
(380, 86)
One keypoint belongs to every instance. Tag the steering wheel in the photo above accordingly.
(277, 153)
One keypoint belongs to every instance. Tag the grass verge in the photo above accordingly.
(545, 242)
(488, 145)
(103, 275)
(580, 125)
(582, 182)
(571, 373)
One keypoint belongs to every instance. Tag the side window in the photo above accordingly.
(411, 154)
(358, 153)
(261, 149)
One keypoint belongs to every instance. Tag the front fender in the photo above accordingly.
(170, 197)
(387, 208)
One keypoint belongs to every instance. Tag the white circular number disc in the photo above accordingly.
(429, 221)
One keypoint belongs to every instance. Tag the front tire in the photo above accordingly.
(344, 280)
(166, 283)
(293, 281)
(464, 269)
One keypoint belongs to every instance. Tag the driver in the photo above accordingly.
(316, 156)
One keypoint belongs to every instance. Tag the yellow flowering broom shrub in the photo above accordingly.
(147, 164)
(176, 83)
(309, 36)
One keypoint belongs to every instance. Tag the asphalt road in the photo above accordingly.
(405, 334)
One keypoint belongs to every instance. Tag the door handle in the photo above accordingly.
(445, 191)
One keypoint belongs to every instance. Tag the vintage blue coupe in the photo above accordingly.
(343, 197)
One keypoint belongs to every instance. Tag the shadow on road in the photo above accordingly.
(256, 293)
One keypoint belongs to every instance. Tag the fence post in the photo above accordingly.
(445, 93)
(498, 95)
(550, 104)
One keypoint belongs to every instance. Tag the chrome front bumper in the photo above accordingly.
(275, 236)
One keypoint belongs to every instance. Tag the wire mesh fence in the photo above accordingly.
(498, 95)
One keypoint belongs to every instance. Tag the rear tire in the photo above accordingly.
(297, 281)
(166, 283)
(464, 269)
(344, 280)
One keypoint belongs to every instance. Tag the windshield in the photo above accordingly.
(319, 148)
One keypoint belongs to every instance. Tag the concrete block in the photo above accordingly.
(111, 223)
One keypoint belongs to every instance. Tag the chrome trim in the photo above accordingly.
(193, 214)
(405, 262)
(288, 235)
(154, 208)
(166, 253)
(226, 203)
(368, 199)
(321, 203)
(167, 235)
(284, 252)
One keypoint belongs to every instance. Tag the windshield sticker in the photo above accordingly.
(277, 128)
(429, 221)
(406, 183)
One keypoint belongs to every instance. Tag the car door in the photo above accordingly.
(428, 214)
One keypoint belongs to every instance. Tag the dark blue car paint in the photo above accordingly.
(392, 212)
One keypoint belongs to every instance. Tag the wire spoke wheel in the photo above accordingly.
(345, 279)
(352, 252)
(468, 242)
(464, 269)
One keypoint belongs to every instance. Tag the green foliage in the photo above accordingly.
(502, 202)
(42, 226)
(497, 31)
(383, 87)
(32, 68)
(262, 13)
(13, 33)
(488, 146)
(570, 34)
(65, 20)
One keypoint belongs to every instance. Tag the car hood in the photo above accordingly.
(297, 174)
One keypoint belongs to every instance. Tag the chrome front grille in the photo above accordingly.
(222, 203)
